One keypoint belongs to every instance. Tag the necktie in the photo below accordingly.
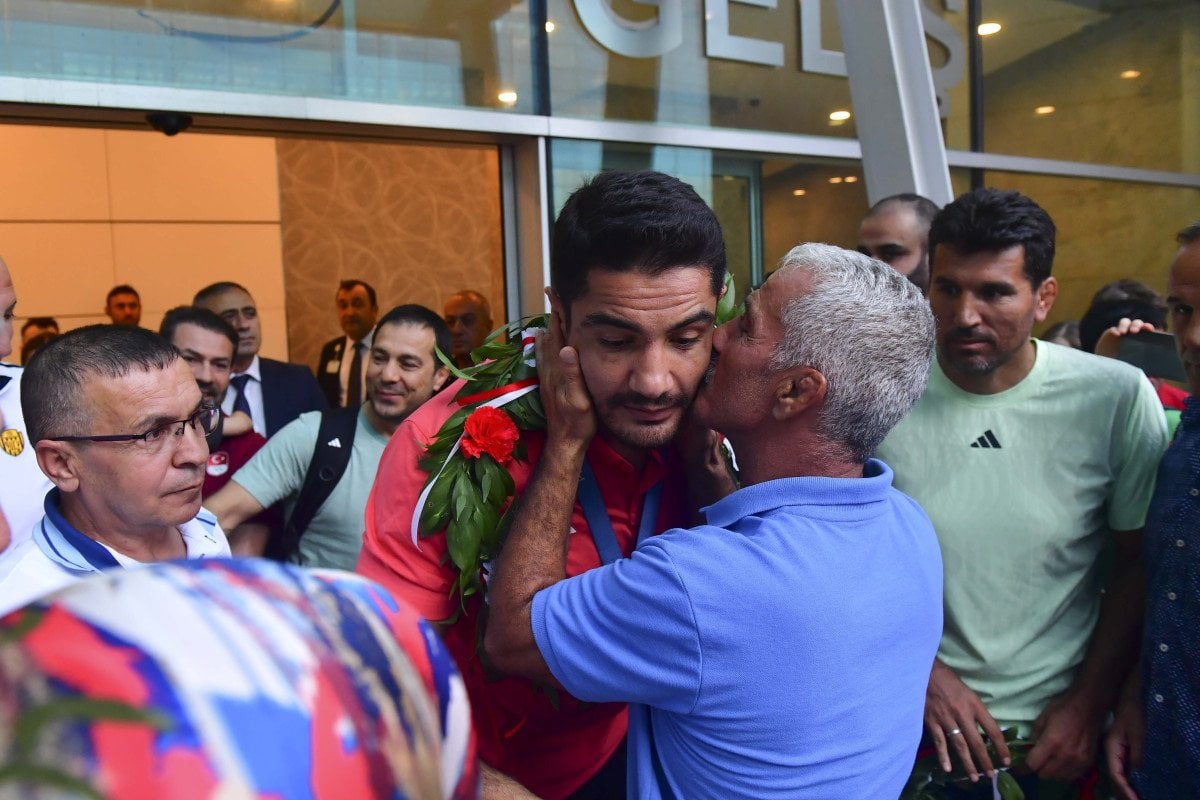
(241, 402)
(354, 397)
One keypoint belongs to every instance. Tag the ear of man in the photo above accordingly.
(799, 391)
(1046, 294)
(60, 463)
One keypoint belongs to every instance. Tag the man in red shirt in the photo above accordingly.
(636, 267)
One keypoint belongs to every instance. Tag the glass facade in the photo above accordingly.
(464, 54)
(1103, 83)
(719, 64)
(1114, 84)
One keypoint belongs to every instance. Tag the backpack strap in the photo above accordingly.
(331, 456)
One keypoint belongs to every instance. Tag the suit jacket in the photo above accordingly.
(330, 382)
(288, 391)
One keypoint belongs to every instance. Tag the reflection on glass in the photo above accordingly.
(1120, 76)
(472, 53)
(687, 62)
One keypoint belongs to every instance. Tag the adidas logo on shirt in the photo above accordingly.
(988, 440)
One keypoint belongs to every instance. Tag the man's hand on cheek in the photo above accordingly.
(570, 417)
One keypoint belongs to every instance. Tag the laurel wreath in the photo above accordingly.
(470, 497)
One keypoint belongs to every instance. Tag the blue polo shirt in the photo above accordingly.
(780, 651)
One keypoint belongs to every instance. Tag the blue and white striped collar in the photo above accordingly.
(60, 542)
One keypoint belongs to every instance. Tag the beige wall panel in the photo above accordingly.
(192, 177)
(52, 174)
(62, 269)
(416, 222)
(169, 263)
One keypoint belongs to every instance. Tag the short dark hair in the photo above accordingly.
(1128, 289)
(414, 314)
(922, 206)
(991, 220)
(52, 385)
(124, 288)
(1189, 235)
(1102, 316)
(350, 283)
(39, 322)
(644, 221)
(214, 289)
(201, 318)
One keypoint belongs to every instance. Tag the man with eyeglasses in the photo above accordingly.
(118, 425)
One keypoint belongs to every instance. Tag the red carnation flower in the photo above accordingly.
(489, 430)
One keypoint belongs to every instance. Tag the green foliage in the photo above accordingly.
(471, 498)
(727, 306)
(22, 767)
(929, 782)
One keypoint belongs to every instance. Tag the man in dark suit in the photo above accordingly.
(342, 370)
(272, 392)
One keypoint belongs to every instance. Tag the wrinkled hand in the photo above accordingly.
(1066, 736)
(1110, 341)
(570, 418)
(953, 716)
(1123, 747)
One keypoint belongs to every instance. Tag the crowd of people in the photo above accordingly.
(866, 538)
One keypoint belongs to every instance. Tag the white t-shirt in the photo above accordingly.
(23, 485)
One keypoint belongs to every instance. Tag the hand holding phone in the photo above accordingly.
(1154, 353)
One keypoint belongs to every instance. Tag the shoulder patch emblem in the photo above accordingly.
(12, 441)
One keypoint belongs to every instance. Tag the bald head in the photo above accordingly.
(896, 232)
(8, 303)
(469, 317)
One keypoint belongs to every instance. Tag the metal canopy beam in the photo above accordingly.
(895, 107)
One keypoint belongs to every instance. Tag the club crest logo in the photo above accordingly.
(218, 464)
(12, 441)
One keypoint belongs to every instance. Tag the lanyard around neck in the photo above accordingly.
(598, 521)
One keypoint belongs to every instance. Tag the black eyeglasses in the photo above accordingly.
(157, 437)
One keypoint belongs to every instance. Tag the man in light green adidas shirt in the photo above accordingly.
(1029, 458)
(402, 372)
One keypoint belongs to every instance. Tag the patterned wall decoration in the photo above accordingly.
(417, 222)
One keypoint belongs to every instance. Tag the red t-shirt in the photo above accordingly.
(552, 751)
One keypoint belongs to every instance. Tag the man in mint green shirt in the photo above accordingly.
(1029, 458)
(402, 372)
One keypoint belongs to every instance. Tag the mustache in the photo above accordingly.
(637, 400)
(960, 334)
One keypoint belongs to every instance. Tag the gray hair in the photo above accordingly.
(52, 386)
(868, 331)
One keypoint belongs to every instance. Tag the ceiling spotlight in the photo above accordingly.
(550, 26)
(1130, 74)
(988, 28)
(835, 179)
(508, 97)
(799, 192)
(840, 115)
(851, 179)
(1043, 110)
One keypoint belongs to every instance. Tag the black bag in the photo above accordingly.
(331, 456)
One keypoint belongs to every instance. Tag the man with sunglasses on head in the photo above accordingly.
(118, 425)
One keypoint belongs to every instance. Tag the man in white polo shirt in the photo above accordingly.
(118, 425)
(23, 484)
